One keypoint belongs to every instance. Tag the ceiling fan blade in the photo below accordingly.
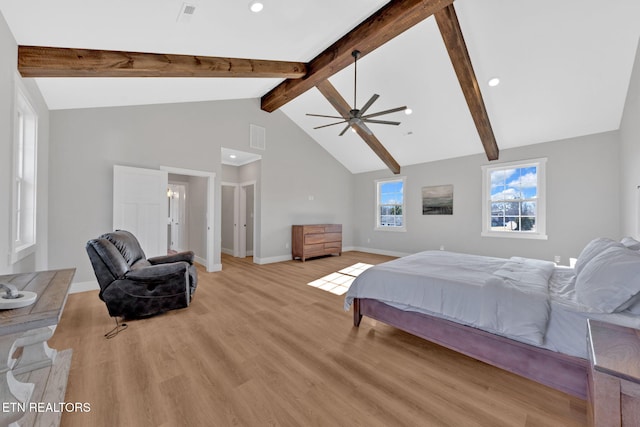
(368, 104)
(379, 149)
(322, 115)
(381, 122)
(330, 124)
(345, 129)
(334, 98)
(393, 110)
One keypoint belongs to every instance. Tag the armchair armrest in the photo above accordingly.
(161, 273)
(186, 256)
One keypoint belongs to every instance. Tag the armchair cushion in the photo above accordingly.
(127, 244)
(108, 262)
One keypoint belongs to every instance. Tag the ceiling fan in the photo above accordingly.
(356, 117)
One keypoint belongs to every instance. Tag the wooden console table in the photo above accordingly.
(31, 373)
(614, 376)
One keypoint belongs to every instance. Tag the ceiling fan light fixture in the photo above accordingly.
(408, 111)
(256, 6)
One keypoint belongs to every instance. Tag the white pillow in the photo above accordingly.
(610, 280)
(593, 248)
(631, 243)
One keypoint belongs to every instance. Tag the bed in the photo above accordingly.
(523, 315)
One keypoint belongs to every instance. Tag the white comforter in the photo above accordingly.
(507, 297)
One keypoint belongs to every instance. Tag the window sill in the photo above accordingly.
(512, 235)
(395, 229)
(22, 252)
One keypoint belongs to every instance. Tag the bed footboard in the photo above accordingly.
(562, 372)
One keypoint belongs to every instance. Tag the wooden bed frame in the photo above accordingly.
(559, 371)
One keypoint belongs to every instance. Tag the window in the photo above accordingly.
(24, 176)
(390, 205)
(514, 200)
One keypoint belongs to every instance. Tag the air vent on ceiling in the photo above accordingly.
(257, 137)
(186, 12)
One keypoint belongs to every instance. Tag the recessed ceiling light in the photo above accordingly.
(493, 82)
(256, 6)
(233, 156)
(408, 111)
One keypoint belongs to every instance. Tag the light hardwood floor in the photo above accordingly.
(259, 347)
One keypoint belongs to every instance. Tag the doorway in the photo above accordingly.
(238, 218)
(239, 203)
(140, 205)
(190, 195)
(178, 226)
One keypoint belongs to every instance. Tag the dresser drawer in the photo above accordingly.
(311, 239)
(333, 237)
(333, 245)
(333, 228)
(313, 250)
(313, 229)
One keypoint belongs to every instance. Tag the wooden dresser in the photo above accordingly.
(315, 240)
(614, 376)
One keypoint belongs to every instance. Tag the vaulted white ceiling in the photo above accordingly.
(564, 65)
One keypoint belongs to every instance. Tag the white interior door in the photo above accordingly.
(140, 206)
(177, 217)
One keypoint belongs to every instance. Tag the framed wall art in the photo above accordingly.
(437, 200)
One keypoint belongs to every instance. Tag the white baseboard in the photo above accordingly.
(272, 259)
(230, 252)
(216, 267)
(379, 251)
(199, 260)
(91, 285)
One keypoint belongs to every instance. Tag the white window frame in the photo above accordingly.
(378, 184)
(24, 175)
(541, 229)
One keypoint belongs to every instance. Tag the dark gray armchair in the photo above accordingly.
(131, 285)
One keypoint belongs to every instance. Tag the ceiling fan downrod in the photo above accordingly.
(356, 55)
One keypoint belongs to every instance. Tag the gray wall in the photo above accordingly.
(630, 156)
(8, 72)
(86, 143)
(582, 202)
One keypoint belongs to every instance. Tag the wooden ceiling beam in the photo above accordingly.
(38, 61)
(391, 20)
(343, 108)
(449, 26)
